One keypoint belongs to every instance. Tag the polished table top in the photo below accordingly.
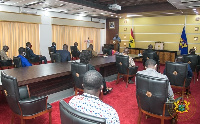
(26, 75)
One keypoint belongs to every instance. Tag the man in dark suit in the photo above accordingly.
(65, 54)
(28, 49)
(54, 47)
(150, 50)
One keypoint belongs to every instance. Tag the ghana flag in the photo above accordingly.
(132, 41)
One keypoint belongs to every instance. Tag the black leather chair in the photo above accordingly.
(21, 103)
(177, 75)
(107, 51)
(78, 71)
(152, 94)
(75, 53)
(193, 61)
(17, 62)
(6, 64)
(151, 55)
(55, 57)
(33, 60)
(70, 115)
(122, 63)
(90, 52)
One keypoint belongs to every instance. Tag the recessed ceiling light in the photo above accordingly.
(194, 9)
(120, 17)
(133, 15)
(170, 13)
(111, 15)
(116, 16)
(101, 13)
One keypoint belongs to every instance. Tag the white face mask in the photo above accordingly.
(24, 53)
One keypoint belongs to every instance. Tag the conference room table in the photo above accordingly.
(38, 76)
(50, 73)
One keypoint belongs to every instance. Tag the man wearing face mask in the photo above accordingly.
(3, 53)
(54, 47)
(24, 61)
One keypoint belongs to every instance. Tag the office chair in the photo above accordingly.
(70, 115)
(22, 104)
(122, 63)
(192, 60)
(154, 91)
(17, 62)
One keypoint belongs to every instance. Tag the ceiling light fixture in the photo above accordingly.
(111, 15)
(133, 15)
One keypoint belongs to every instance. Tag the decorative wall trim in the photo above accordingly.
(78, 23)
(18, 17)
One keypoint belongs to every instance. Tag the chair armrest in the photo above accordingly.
(24, 92)
(33, 105)
(133, 70)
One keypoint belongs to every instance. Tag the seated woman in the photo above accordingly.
(85, 58)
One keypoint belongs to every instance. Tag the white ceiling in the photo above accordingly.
(57, 6)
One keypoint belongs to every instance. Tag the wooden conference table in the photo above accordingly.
(49, 78)
(52, 77)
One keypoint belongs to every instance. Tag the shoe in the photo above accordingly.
(130, 82)
(108, 90)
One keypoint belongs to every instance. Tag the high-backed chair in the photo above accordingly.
(152, 94)
(90, 52)
(33, 60)
(6, 64)
(75, 53)
(78, 71)
(151, 55)
(17, 62)
(177, 75)
(107, 51)
(55, 57)
(70, 115)
(21, 103)
(122, 63)
(193, 61)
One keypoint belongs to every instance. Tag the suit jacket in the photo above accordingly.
(31, 54)
(65, 55)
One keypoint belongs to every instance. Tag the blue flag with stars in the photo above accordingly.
(183, 45)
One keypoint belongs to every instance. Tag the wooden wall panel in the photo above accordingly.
(110, 33)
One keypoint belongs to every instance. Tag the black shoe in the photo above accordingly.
(107, 91)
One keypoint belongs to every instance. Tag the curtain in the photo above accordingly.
(15, 35)
(68, 35)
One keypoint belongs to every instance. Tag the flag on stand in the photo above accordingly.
(183, 45)
(132, 41)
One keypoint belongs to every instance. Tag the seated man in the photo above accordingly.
(24, 61)
(65, 54)
(85, 58)
(89, 101)
(149, 50)
(131, 62)
(78, 52)
(54, 47)
(192, 51)
(28, 47)
(90, 48)
(179, 59)
(3, 53)
(151, 66)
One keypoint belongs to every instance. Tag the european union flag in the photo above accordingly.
(183, 45)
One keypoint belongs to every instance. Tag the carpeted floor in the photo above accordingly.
(123, 100)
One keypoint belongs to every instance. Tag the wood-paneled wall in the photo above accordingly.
(110, 33)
